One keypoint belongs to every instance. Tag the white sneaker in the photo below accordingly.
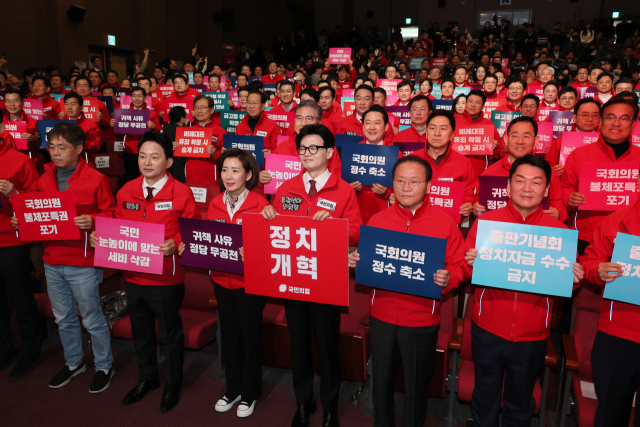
(244, 409)
(223, 404)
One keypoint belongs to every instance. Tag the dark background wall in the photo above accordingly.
(38, 32)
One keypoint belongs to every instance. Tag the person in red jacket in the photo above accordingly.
(307, 113)
(40, 88)
(181, 91)
(399, 321)
(83, 88)
(273, 77)
(57, 85)
(446, 163)
(419, 109)
(515, 92)
(405, 89)
(286, 91)
(473, 116)
(586, 118)
(509, 328)
(157, 198)
(156, 103)
(130, 155)
(257, 123)
(616, 123)
(240, 313)
(73, 111)
(567, 98)
(352, 125)
(344, 78)
(460, 77)
(582, 78)
(14, 103)
(615, 356)
(299, 196)
(521, 136)
(331, 116)
(18, 174)
(72, 280)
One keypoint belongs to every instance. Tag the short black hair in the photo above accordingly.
(167, 146)
(367, 88)
(414, 159)
(603, 75)
(532, 160)
(568, 89)
(45, 80)
(421, 98)
(72, 95)
(616, 101)
(403, 83)
(380, 90)
(321, 130)
(531, 96)
(478, 92)
(244, 88)
(114, 72)
(552, 83)
(256, 85)
(139, 89)
(263, 96)
(527, 119)
(311, 92)
(287, 83)
(522, 82)
(443, 113)
(176, 113)
(621, 80)
(583, 101)
(249, 164)
(326, 88)
(375, 108)
(70, 132)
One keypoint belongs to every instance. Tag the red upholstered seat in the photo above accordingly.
(44, 305)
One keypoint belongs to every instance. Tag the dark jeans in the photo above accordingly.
(14, 281)
(146, 304)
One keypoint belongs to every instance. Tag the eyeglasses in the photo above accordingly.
(307, 119)
(416, 109)
(526, 138)
(254, 103)
(200, 108)
(401, 182)
(586, 116)
(612, 118)
(137, 96)
(312, 149)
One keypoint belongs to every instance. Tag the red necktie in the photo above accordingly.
(149, 193)
(312, 189)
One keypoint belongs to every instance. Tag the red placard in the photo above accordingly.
(16, 129)
(284, 120)
(447, 196)
(390, 85)
(573, 140)
(543, 113)
(167, 105)
(491, 105)
(349, 108)
(193, 142)
(438, 62)
(34, 109)
(473, 140)
(296, 258)
(166, 90)
(635, 136)
(608, 186)
(45, 216)
(537, 91)
(91, 108)
(545, 132)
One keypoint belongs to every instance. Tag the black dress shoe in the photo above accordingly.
(140, 391)
(23, 369)
(304, 412)
(330, 419)
(170, 397)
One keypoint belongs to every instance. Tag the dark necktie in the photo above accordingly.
(312, 189)
(149, 193)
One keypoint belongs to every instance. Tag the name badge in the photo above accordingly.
(261, 133)
(214, 138)
(164, 206)
(446, 179)
(327, 204)
(239, 221)
(131, 206)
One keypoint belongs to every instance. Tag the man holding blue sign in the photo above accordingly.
(616, 350)
(403, 326)
(510, 328)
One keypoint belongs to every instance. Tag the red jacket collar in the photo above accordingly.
(165, 194)
(80, 169)
(422, 210)
(631, 220)
(23, 118)
(516, 217)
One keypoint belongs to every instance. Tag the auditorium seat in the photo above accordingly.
(203, 194)
(109, 165)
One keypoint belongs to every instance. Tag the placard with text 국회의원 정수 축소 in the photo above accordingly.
(369, 164)
(193, 142)
(129, 245)
(212, 245)
(525, 258)
(45, 216)
(250, 143)
(400, 262)
(608, 186)
(295, 257)
(625, 288)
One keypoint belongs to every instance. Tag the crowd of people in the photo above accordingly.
(446, 79)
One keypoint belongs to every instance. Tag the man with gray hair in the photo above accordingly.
(307, 113)
(545, 75)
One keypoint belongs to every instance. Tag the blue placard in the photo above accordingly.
(58, 97)
(436, 91)
(400, 262)
(461, 91)
(191, 82)
(108, 102)
(233, 80)
(416, 63)
(527, 258)
(250, 143)
(220, 100)
(268, 87)
(442, 104)
(44, 126)
(369, 164)
(625, 288)
(342, 139)
(67, 87)
(403, 127)
(254, 78)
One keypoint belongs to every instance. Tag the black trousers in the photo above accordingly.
(131, 169)
(15, 282)
(616, 376)
(146, 304)
(415, 347)
(241, 323)
(518, 364)
(325, 319)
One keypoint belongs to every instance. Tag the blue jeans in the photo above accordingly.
(67, 286)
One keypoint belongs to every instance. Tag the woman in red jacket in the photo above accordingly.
(240, 313)
(405, 327)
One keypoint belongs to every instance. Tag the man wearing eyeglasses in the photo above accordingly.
(258, 124)
(405, 327)
(14, 102)
(319, 194)
(567, 98)
(618, 116)
(586, 118)
(419, 109)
